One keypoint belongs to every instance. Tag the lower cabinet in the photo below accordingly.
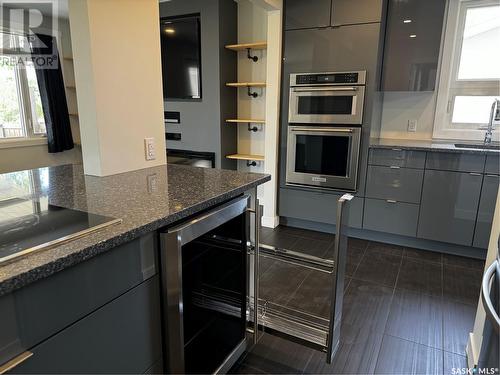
(123, 336)
(317, 206)
(486, 211)
(391, 217)
(449, 206)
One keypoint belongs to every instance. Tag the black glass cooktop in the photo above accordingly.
(30, 225)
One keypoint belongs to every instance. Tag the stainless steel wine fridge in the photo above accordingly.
(213, 309)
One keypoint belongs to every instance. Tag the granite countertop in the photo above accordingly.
(442, 146)
(145, 200)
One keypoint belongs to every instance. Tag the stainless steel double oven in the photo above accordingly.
(324, 129)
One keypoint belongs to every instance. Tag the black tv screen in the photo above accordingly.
(181, 57)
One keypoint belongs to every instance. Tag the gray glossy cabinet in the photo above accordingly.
(317, 206)
(394, 183)
(303, 14)
(347, 12)
(300, 14)
(492, 164)
(460, 162)
(124, 336)
(397, 157)
(391, 217)
(449, 206)
(411, 50)
(35, 312)
(486, 210)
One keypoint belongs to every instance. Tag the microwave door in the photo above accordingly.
(333, 105)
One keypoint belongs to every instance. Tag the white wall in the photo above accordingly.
(399, 107)
(116, 49)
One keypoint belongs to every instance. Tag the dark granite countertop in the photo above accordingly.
(145, 200)
(430, 145)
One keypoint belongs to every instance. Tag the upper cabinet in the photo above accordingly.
(349, 12)
(303, 14)
(412, 42)
(300, 14)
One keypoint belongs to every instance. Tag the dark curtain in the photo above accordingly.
(53, 94)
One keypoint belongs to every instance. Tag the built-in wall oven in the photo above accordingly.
(324, 129)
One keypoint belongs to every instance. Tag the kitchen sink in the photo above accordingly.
(492, 146)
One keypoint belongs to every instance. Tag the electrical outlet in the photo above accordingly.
(149, 148)
(412, 125)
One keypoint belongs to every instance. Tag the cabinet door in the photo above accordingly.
(300, 14)
(449, 206)
(347, 12)
(123, 336)
(487, 203)
(412, 41)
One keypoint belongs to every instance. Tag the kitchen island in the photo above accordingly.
(94, 302)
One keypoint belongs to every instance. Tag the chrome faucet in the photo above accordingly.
(495, 107)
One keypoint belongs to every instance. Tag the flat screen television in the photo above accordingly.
(181, 57)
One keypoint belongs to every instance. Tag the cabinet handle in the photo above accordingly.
(14, 362)
(394, 167)
(492, 175)
(475, 174)
(391, 201)
(396, 149)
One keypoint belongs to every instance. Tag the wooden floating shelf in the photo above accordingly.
(69, 58)
(246, 121)
(246, 157)
(246, 46)
(246, 84)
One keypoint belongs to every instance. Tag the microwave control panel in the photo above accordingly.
(340, 78)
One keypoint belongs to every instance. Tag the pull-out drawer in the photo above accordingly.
(317, 206)
(458, 162)
(397, 157)
(33, 313)
(400, 184)
(492, 164)
(391, 217)
(124, 336)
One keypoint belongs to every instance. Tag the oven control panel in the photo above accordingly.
(335, 78)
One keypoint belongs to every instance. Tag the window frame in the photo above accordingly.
(450, 86)
(30, 138)
(25, 105)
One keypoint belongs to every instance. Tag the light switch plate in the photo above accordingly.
(149, 148)
(412, 125)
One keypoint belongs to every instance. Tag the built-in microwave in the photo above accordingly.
(323, 157)
(327, 98)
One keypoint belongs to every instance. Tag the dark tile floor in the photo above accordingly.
(406, 311)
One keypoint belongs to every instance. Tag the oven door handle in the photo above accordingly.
(327, 130)
(342, 88)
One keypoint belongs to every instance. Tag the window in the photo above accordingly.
(21, 113)
(470, 72)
